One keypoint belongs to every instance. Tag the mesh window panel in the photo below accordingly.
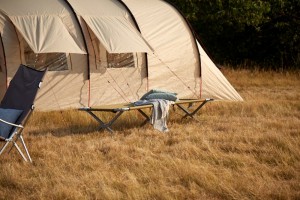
(104, 59)
(52, 61)
(120, 60)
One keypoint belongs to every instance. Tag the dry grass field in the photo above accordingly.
(244, 150)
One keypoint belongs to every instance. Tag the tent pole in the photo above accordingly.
(4, 58)
(20, 50)
(86, 48)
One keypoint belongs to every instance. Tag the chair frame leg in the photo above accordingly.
(4, 147)
(20, 152)
(17, 147)
(25, 147)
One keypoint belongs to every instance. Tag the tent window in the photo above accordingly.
(120, 60)
(52, 61)
(111, 60)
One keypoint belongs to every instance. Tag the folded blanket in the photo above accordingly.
(160, 112)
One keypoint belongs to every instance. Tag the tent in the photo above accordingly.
(105, 51)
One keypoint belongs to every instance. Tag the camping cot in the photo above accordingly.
(119, 109)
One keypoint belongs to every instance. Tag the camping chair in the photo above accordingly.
(17, 106)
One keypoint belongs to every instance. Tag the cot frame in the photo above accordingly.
(119, 109)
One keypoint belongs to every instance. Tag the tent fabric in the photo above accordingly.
(11, 50)
(105, 30)
(111, 24)
(214, 83)
(41, 25)
(45, 33)
(65, 89)
(116, 34)
(176, 58)
(117, 85)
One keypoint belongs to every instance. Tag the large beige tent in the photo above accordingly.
(105, 51)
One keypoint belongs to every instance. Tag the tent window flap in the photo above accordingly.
(117, 35)
(46, 34)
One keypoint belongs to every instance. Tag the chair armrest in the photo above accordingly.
(16, 125)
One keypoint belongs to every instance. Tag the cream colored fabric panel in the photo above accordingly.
(174, 66)
(45, 34)
(71, 23)
(117, 34)
(32, 7)
(74, 30)
(110, 21)
(65, 89)
(214, 84)
(59, 20)
(185, 83)
(117, 86)
(111, 24)
(80, 66)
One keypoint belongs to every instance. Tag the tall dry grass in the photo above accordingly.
(245, 150)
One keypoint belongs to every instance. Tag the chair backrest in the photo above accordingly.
(22, 91)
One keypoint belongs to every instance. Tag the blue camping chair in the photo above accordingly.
(17, 106)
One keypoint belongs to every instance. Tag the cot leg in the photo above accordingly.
(26, 150)
(104, 125)
(146, 116)
(189, 113)
(110, 123)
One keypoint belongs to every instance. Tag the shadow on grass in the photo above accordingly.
(65, 123)
(73, 128)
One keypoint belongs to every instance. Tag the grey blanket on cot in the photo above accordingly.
(160, 112)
